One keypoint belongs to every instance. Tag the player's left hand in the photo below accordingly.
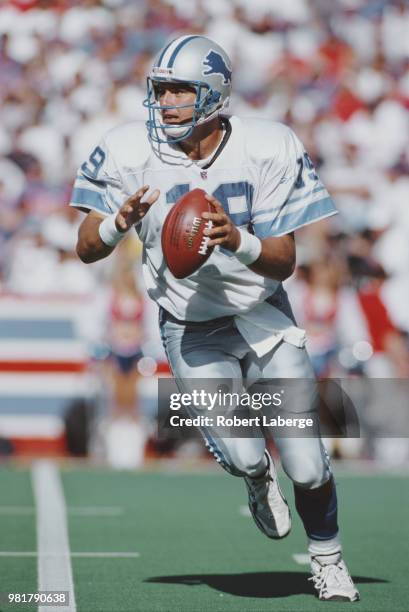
(223, 232)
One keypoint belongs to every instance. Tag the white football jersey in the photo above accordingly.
(263, 178)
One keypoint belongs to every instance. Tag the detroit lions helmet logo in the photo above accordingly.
(215, 64)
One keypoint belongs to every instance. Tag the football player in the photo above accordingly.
(230, 319)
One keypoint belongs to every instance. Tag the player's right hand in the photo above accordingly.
(133, 210)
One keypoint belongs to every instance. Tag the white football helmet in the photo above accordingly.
(200, 63)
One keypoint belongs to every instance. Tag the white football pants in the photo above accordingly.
(217, 350)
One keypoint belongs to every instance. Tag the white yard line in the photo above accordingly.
(90, 555)
(301, 558)
(106, 555)
(245, 511)
(91, 511)
(54, 562)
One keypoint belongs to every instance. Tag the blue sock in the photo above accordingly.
(318, 510)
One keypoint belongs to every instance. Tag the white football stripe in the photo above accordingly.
(53, 563)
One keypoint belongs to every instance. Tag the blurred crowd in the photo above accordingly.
(337, 72)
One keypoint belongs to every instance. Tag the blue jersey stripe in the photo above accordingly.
(293, 200)
(178, 48)
(303, 197)
(86, 178)
(288, 223)
(88, 198)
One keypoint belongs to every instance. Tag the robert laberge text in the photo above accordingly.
(235, 421)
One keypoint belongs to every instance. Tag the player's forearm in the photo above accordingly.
(277, 258)
(90, 247)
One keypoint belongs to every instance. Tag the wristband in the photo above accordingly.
(108, 231)
(249, 249)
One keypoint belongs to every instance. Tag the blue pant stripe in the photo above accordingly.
(214, 449)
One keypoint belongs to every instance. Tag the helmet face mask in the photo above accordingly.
(201, 108)
(199, 63)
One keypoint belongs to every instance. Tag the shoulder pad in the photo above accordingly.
(266, 139)
(129, 144)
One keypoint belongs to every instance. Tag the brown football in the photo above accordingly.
(183, 244)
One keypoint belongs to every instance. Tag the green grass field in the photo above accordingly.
(198, 551)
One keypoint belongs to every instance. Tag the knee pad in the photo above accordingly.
(305, 472)
(248, 468)
(247, 456)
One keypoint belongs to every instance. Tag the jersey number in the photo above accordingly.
(96, 159)
(305, 162)
(236, 198)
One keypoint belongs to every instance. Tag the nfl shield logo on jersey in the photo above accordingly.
(203, 174)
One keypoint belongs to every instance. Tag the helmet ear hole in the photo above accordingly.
(214, 97)
(209, 102)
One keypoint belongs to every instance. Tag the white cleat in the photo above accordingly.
(331, 578)
(267, 504)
